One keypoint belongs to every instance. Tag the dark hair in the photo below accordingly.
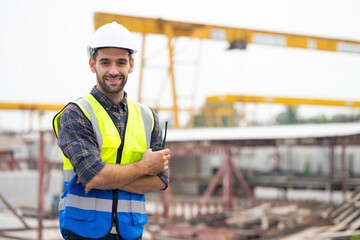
(95, 53)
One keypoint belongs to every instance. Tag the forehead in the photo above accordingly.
(112, 53)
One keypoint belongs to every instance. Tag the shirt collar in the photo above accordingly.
(106, 102)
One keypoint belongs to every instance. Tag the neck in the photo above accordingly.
(115, 97)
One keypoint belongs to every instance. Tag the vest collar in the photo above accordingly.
(106, 102)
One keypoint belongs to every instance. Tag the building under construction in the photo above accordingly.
(234, 182)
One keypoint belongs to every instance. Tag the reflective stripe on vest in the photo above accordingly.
(68, 174)
(103, 205)
(89, 110)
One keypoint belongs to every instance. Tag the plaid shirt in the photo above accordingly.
(77, 139)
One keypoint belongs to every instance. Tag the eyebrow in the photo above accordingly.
(108, 59)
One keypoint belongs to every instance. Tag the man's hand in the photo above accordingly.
(155, 162)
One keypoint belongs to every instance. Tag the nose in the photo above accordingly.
(113, 70)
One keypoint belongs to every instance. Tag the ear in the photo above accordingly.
(131, 65)
(92, 65)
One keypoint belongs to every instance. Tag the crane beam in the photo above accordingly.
(282, 100)
(30, 106)
(238, 37)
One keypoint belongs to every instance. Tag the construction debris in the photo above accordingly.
(339, 222)
(264, 221)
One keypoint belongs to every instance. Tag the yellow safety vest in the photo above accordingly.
(77, 210)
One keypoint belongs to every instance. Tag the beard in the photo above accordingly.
(108, 88)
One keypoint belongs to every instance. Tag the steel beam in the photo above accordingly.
(41, 163)
(344, 171)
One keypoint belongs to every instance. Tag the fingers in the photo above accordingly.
(87, 189)
(166, 151)
(155, 162)
(166, 157)
(166, 154)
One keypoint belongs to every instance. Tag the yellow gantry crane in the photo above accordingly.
(238, 38)
(230, 100)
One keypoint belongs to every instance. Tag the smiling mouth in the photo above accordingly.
(113, 78)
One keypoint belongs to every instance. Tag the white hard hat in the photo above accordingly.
(112, 35)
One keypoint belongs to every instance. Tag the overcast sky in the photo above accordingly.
(43, 50)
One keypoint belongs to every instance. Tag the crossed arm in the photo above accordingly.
(139, 177)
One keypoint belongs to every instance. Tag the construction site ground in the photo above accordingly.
(269, 219)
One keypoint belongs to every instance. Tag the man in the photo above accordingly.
(105, 138)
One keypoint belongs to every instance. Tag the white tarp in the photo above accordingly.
(264, 132)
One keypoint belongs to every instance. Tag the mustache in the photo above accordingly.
(114, 76)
